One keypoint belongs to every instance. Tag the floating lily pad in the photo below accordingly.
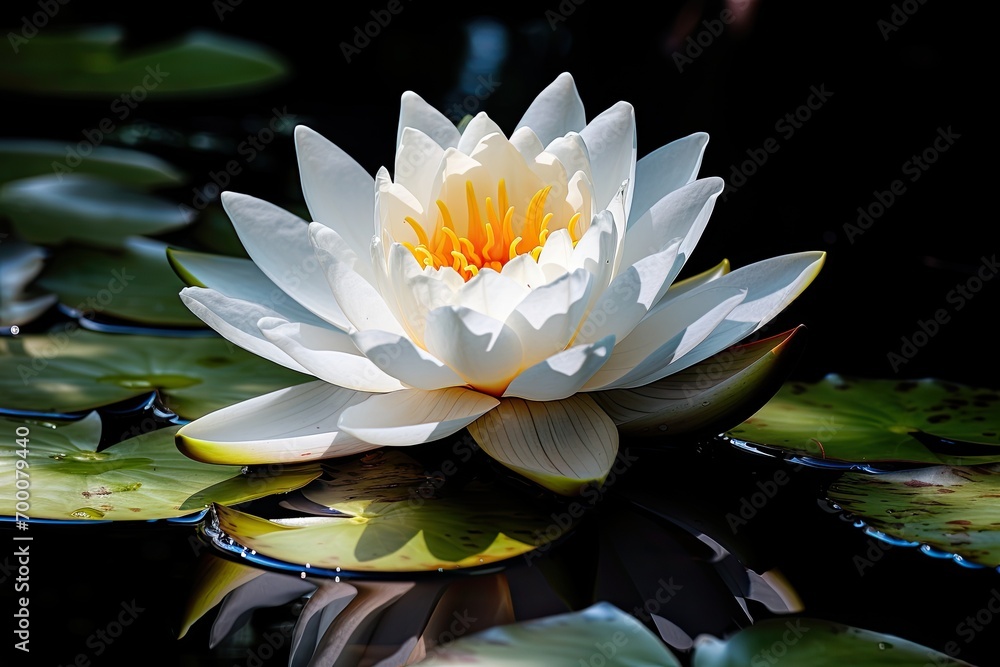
(142, 478)
(710, 396)
(24, 158)
(76, 207)
(146, 287)
(599, 635)
(93, 61)
(398, 522)
(856, 420)
(956, 510)
(73, 370)
(814, 642)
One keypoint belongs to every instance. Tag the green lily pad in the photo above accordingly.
(73, 370)
(956, 510)
(857, 420)
(401, 522)
(24, 158)
(147, 287)
(93, 61)
(599, 635)
(814, 642)
(142, 478)
(77, 207)
(710, 396)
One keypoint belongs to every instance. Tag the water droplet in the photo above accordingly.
(338, 568)
(440, 569)
(302, 575)
(705, 404)
(308, 566)
(337, 579)
(243, 554)
(889, 511)
(253, 551)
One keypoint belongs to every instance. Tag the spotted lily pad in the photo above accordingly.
(393, 520)
(73, 370)
(857, 420)
(93, 61)
(599, 635)
(814, 642)
(77, 207)
(953, 509)
(23, 158)
(147, 288)
(142, 478)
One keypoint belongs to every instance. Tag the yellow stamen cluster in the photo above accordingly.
(490, 243)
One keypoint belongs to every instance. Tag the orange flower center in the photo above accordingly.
(489, 242)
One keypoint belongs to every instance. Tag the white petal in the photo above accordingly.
(563, 374)
(666, 169)
(278, 243)
(416, 163)
(630, 296)
(688, 284)
(236, 321)
(480, 126)
(682, 214)
(400, 358)
(546, 320)
(611, 144)
(571, 151)
(526, 142)
(669, 335)
(22, 262)
(361, 303)
(417, 292)
(525, 271)
(338, 191)
(595, 252)
(556, 254)
(491, 294)
(563, 445)
(413, 416)
(416, 113)
(329, 355)
(286, 426)
(484, 351)
(557, 110)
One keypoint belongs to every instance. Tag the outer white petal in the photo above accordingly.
(480, 126)
(484, 351)
(338, 191)
(669, 335)
(413, 416)
(329, 355)
(236, 321)
(611, 144)
(546, 320)
(557, 110)
(278, 243)
(360, 302)
(682, 214)
(563, 374)
(415, 112)
(772, 284)
(417, 160)
(400, 358)
(666, 169)
(286, 426)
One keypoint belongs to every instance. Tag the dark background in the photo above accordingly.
(891, 93)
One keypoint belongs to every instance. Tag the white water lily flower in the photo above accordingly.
(495, 284)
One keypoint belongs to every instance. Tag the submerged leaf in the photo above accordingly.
(23, 158)
(857, 420)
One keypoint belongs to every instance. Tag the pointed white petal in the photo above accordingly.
(400, 358)
(278, 243)
(286, 426)
(491, 294)
(556, 254)
(480, 126)
(546, 320)
(611, 144)
(415, 112)
(525, 271)
(484, 351)
(557, 110)
(526, 142)
(563, 445)
(707, 276)
(416, 163)
(329, 355)
(563, 374)
(666, 169)
(338, 191)
(413, 416)
(417, 292)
